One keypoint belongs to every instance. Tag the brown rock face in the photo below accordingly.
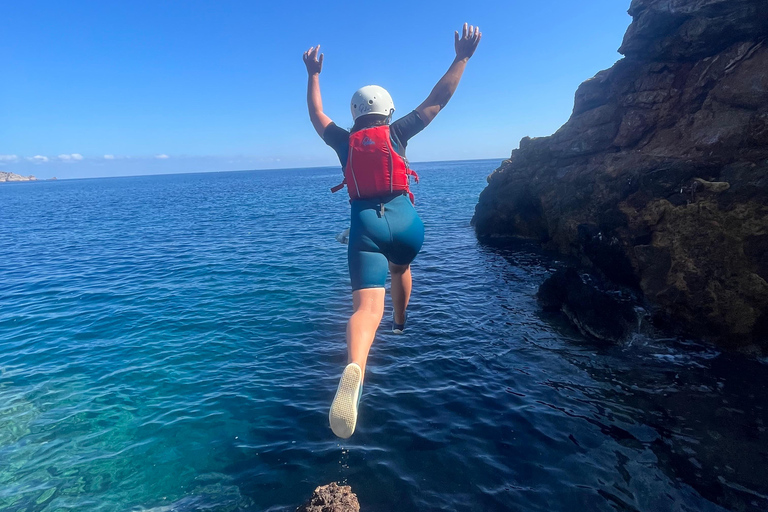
(660, 177)
(331, 498)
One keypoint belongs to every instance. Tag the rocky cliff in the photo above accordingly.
(659, 179)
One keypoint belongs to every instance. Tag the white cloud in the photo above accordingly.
(109, 157)
(38, 159)
(161, 157)
(73, 156)
(8, 158)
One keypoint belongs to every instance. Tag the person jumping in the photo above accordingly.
(385, 231)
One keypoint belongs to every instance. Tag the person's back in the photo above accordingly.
(386, 232)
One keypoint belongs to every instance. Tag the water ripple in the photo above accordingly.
(172, 343)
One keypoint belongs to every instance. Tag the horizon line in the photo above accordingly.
(235, 170)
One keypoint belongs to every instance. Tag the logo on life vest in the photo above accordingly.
(367, 141)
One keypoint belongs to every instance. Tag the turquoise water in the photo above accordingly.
(172, 343)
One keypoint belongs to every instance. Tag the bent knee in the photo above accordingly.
(398, 269)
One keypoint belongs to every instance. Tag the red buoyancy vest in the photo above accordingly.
(373, 167)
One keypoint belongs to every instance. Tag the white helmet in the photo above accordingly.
(371, 99)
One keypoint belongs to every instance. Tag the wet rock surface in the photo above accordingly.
(331, 498)
(659, 180)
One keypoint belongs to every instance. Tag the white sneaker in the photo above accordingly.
(343, 414)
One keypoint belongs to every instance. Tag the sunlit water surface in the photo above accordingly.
(172, 343)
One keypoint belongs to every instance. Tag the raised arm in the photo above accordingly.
(442, 92)
(314, 101)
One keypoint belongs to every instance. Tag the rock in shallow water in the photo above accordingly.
(331, 498)
(659, 180)
(599, 314)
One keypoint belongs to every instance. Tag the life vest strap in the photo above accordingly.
(339, 186)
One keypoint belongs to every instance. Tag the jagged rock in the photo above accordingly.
(606, 316)
(331, 498)
(659, 179)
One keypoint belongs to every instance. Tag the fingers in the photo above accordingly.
(468, 33)
(473, 34)
(467, 43)
(311, 54)
(320, 61)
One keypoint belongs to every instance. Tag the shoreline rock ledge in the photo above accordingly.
(9, 176)
(659, 180)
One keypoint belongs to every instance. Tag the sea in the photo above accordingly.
(173, 343)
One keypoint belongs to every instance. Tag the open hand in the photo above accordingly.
(315, 65)
(467, 44)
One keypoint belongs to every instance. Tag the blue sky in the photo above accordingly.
(163, 87)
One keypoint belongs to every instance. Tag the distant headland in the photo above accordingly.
(9, 176)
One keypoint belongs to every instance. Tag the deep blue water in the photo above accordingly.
(173, 343)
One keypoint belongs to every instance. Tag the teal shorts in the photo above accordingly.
(382, 230)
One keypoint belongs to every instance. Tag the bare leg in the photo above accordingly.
(401, 289)
(368, 304)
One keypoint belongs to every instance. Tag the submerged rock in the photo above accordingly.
(606, 316)
(331, 498)
(659, 180)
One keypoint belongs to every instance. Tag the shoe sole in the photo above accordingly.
(343, 414)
